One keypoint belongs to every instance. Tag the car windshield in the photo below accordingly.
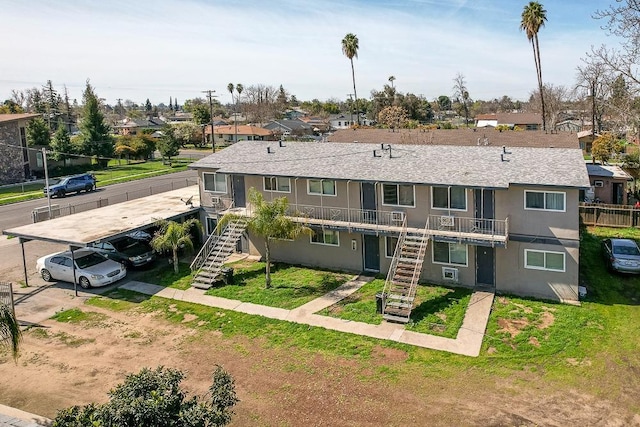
(626, 250)
(89, 260)
(131, 246)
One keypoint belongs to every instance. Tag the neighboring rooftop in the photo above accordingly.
(241, 130)
(11, 117)
(469, 166)
(489, 137)
(609, 171)
(512, 118)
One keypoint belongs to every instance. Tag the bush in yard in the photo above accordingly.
(153, 398)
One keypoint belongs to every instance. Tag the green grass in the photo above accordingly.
(164, 275)
(438, 310)
(590, 347)
(75, 315)
(117, 172)
(291, 286)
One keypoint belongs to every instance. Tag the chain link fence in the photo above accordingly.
(58, 210)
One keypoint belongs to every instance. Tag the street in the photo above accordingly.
(18, 214)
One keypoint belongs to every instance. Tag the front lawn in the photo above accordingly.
(438, 310)
(291, 286)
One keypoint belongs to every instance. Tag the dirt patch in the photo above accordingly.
(534, 341)
(284, 386)
(512, 326)
(546, 320)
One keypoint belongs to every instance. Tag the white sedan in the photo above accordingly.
(92, 268)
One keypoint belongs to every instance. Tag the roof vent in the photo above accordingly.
(269, 150)
(281, 143)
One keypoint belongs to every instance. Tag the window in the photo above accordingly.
(326, 237)
(544, 200)
(282, 185)
(390, 243)
(449, 253)
(216, 182)
(450, 198)
(397, 195)
(544, 260)
(325, 187)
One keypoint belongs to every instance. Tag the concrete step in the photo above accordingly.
(396, 319)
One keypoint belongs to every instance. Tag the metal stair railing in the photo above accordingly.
(225, 237)
(418, 265)
(204, 252)
(394, 262)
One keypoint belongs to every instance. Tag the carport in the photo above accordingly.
(78, 230)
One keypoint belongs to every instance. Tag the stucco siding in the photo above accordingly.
(513, 277)
(561, 225)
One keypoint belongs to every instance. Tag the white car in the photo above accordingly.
(92, 268)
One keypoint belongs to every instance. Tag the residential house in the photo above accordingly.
(609, 183)
(478, 137)
(585, 139)
(505, 218)
(569, 125)
(318, 124)
(14, 155)
(288, 127)
(346, 120)
(525, 121)
(227, 134)
(294, 113)
(136, 126)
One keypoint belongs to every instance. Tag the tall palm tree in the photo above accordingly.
(239, 89)
(10, 333)
(350, 50)
(174, 235)
(269, 221)
(533, 18)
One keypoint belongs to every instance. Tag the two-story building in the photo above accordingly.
(499, 217)
(14, 155)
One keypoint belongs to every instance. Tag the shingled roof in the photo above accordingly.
(468, 166)
(463, 137)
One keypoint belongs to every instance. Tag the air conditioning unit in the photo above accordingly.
(397, 216)
(215, 200)
(450, 274)
(447, 221)
(598, 183)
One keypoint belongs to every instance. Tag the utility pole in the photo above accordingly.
(210, 95)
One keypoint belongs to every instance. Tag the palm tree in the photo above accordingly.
(269, 221)
(350, 50)
(174, 235)
(391, 80)
(239, 89)
(533, 18)
(10, 333)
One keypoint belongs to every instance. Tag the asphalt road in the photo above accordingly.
(17, 214)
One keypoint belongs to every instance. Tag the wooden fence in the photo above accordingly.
(605, 215)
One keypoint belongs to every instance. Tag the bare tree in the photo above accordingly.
(461, 94)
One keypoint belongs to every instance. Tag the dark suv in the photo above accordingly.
(127, 250)
(71, 184)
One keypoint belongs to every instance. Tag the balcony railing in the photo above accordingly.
(348, 217)
(468, 228)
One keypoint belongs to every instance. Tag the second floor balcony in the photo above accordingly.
(486, 232)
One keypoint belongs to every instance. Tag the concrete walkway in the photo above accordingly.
(467, 343)
(12, 417)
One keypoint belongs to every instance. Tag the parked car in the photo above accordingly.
(71, 184)
(128, 250)
(92, 268)
(622, 255)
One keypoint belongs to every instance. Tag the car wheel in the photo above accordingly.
(46, 275)
(84, 283)
(61, 193)
(87, 188)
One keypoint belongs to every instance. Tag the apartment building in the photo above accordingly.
(504, 218)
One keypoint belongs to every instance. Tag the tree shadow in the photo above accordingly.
(438, 304)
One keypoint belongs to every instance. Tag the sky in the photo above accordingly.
(141, 49)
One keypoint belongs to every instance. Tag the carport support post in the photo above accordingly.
(73, 266)
(24, 261)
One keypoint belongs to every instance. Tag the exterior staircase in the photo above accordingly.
(404, 273)
(216, 250)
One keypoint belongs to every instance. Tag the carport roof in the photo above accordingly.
(85, 227)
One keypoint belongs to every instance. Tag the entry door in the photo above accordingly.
(483, 209)
(617, 193)
(369, 207)
(371, 253)
(485, 271)
(238, 191)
